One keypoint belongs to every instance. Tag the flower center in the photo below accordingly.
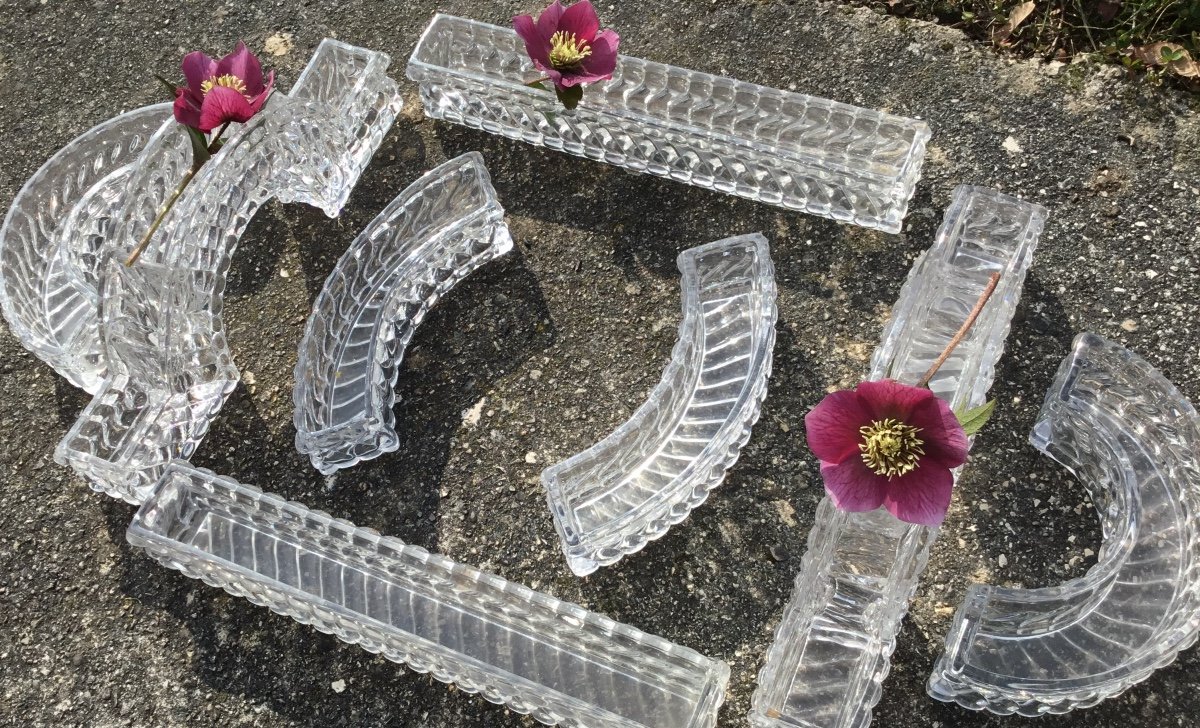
(567, 52)
(890, 447)
(228, 80)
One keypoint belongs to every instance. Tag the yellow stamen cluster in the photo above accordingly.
(228, 80)
(567, 52)
(891, 448)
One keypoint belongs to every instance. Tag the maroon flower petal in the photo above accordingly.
(555, 77)
(888, 398)
(853, 487)
(257, 102)
(536, 45)
(832, 427)
(922, 496)
(547, 22)
(580, 19)
(243, 64)
(575, 78)
(187, 110)
(603, 59)
(945, 441)
(223, 104)
(197, 68)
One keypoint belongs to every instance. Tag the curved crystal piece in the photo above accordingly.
(800, 152)
(833, 647)
(433, 235)
(527, 650)
(170, 369)
(51, 240)
(1131, 437)
(651, 472)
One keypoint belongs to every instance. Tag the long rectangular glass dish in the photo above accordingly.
(536, 654)
(788, 149)
(833, 646)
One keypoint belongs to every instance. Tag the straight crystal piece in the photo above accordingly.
(1131, 438)
(833, 647)
(800, 152)
(537, 655)
(651, 472)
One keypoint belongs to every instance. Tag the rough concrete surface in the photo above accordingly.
(560, 341)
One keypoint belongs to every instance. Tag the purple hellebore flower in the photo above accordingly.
(566, 44)
(888, 444)
(217, 92)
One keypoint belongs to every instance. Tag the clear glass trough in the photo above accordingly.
(556, 661)
(433, 235)
(1132, 439)
(652, 471)
(799, 152)
(833, 646)
(148, 340)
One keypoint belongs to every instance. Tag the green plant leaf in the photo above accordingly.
(1171, 54)
(974, 419)
(538, 85)
(200, 153)
(170, 86)
(570, 96)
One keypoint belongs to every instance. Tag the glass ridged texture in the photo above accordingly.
(537, 655)
(52, 239)
(833, 647)
(1131, 438)
(651, 472)
(786, 149)
(169, 365)
(433, 235)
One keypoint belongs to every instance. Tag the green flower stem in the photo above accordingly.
(141, 246)
(198, 161)
(962, 332)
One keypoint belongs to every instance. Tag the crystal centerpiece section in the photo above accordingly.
(433, 235)
(1132, 439)
(169, 368)
(537, 655)
(652, 471)
(52, 237)
(833, 647)
(787, 149)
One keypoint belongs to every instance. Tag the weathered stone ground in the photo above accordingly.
(560, 341)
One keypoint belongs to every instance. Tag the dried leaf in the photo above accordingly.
(1108, 9)
(1015, 18)
(279, 44)
(1171, 55)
